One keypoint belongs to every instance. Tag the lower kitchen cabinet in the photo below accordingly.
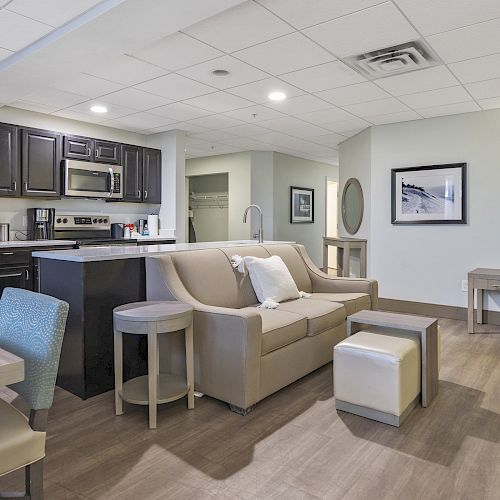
(17, 277)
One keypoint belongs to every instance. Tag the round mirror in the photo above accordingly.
(352, 205)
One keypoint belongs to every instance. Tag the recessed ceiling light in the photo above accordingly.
(220, 72)
(99, 109)
(277, 96)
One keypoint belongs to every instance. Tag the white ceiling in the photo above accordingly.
(150, 62)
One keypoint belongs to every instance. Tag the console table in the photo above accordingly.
(344, 249)
(480, 279)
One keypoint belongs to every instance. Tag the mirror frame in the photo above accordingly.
(352, 182)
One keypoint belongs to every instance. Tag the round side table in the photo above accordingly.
(151, 319)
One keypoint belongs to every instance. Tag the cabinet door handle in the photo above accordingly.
(139, 193)
(145, 193)
(97, 153)
(7, 253)
(11, 275)
(14, 186)
(27, 272)
(89, 152)
(25, 187)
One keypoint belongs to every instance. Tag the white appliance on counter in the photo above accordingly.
(85, 179)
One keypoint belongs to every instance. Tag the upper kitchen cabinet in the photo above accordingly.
(78, 148)
(132, 172)
(40, 163)
(106, 152)
(151, 175)
(10, 182)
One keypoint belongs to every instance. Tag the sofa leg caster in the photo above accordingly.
(241, 411)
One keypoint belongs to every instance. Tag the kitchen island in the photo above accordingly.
(95, 280)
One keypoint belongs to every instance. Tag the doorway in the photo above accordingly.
(208, 212)
(331, 220)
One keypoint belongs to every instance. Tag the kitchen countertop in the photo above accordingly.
(95, 254)
(35, 243)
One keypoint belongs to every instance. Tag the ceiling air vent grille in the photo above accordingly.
(403, 58)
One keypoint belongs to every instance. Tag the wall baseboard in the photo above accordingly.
(434, 310)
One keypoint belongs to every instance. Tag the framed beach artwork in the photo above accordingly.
(301, 205)
(433, 194)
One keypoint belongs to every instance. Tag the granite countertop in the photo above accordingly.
(95, 254)
(35, 243)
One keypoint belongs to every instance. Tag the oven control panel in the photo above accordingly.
(92, 222)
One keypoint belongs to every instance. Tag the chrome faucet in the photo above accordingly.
(261, 231)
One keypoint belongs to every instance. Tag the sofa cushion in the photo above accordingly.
(353, 302)
(321, 315)
(295, 265)
(280, 328)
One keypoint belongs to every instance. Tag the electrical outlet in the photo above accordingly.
(465, 286)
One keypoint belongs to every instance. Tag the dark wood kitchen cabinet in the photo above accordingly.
(15, 269)
(106, 152)
(132, 172)
(151, 175)
(78, 148)
(10, 182)
(40, 163)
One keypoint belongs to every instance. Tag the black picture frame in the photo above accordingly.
(461, 167)
(294, 218)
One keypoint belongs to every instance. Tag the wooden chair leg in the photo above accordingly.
(34, 480)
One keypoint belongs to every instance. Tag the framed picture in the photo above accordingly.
(301, 205)
(433, 194)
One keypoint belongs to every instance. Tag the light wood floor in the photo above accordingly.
(293, 446)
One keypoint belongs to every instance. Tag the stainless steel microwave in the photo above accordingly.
(84, 179)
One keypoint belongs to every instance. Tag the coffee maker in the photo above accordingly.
(41, 223)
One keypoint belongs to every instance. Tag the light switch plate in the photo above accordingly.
(25, 221)
(465, 286)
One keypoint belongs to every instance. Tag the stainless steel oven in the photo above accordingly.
(92, 180)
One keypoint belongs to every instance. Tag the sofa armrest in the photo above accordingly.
(227, 342)
(325, 283)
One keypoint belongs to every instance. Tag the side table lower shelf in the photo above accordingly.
(170, 388)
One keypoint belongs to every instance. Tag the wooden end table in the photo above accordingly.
(480, 279)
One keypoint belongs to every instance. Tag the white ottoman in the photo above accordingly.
(377, 375)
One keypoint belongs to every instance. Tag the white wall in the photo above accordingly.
(238, 168)
(428, 263)
(262, 192)
(293, 171)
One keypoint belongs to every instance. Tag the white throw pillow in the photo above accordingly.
(271, 279)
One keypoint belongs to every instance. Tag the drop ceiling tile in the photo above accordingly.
(258, 91)
(249, 130)
(55, 98)
(378, 107)
(331, 140)
(476, 70)
(188, 127)
(33, 106)
(114, 110)
(370, 29)
(439, 97)
(300, 13)
(323, 77)
(175, 87)
(436, 16)
(179, 111)
(353, 94)
(177, 51)
(344, 127)
(86, 85)
(299, 104)
(127, 70)
(135, 99)
(239, 72)
(254, 114)
(418, 81)
(4, 53)
(331, 114)
(242, 26)
(484, 90)
(16, 31)
(215, 122)
(214, 135)
(82, 117)
(142, 120)
(239, 142)
(450, 109)
(402, 116)
(219, 102)
(52, 12)
(283, 55)
(492, 103)
(306, 131)
(283, 124)
(466, 43)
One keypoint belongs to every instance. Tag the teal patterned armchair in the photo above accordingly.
(32, 326)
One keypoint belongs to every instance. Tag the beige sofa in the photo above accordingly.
(244, 353)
